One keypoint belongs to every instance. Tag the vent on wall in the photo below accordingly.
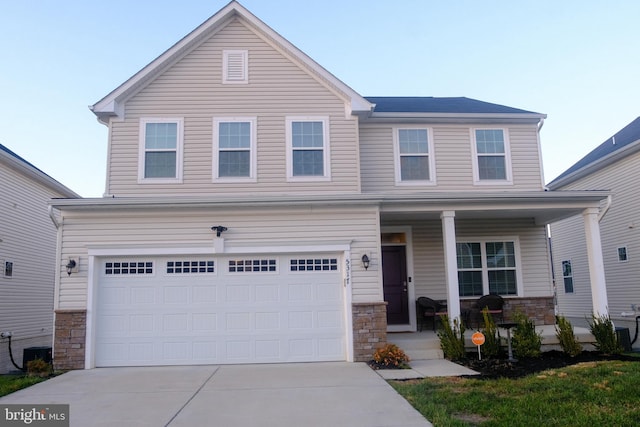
(234, 68)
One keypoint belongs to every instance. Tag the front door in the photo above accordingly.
(394, 282)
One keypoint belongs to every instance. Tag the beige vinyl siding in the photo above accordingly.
(568, 243)
(192, 89)
(250, 226)
(619, 227)
(428, 253)
(29, 241)
(453, 158)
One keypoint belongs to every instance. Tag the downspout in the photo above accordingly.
(604, 210)
(53, 217)
(540, 124)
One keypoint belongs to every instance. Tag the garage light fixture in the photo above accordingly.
(72, 266)
(219, 229)
(365, 261)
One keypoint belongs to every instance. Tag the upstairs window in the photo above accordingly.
(307, 149)
(487, 267)
(234, 67)
(414, 156)
(234, 149)
(491, 149)
(622, 254)
(160, 150)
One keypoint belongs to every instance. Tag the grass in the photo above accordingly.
(11, 383)
(585, 394)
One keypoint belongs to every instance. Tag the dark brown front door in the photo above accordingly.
(394, 282)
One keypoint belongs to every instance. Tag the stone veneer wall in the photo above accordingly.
(540, 309)
(369, 329)
(69, 339)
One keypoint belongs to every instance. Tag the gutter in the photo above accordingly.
(53, 217)
(604, 210)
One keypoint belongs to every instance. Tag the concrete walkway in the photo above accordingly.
(304, 394)
(426, 368)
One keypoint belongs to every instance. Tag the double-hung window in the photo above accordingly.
(413, 156)
(234, 149)
(307, 148)
(160, 158)
(487, 267)
(492, 164)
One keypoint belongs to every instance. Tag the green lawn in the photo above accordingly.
(587, 394)
(11, 383)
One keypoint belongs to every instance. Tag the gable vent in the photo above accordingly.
(234, 69)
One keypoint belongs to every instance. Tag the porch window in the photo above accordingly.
(622, 254)
(487, 268)
(492, 164)
(567, 276)
(414, 156)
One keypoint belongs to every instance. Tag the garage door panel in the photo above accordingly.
(229, 316)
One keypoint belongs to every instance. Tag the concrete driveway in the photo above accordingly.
(309, 394)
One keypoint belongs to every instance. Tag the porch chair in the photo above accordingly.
(426, 308)
(493, 303)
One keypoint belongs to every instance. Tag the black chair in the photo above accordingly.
(493, 303)
(426, 308)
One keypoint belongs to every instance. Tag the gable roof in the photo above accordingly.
(113, 103)
(16, 162)
(614, 148)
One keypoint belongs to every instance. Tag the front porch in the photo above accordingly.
(425, 345)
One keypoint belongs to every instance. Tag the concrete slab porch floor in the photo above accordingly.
(302, 394)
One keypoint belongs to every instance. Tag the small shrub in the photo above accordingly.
(526, 342)
(38, 368)
(606, 340)
(452, 339)
(491, 346)
(568, 341)
(391, 357)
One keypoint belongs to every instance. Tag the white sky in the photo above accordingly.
(577, 61)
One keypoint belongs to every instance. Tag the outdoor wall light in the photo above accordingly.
(71, 266)
(219, 229)
(365, 261)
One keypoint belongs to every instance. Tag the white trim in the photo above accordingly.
(142, 150)
(411, 291)
(241, 56)
(483, 239)
(252, 149)
(507, 158)
(199, 249)
(90, 337)
(348, 304)
(430, 156)
(326, 176)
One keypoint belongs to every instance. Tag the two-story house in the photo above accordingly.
(258, 209)
(614, 166)
(27, 257)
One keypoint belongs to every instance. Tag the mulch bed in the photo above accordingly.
(502, 368)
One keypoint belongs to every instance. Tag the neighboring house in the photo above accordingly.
(27, 256)
(613, 166)
(257, 209)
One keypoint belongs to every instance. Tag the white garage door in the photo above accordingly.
(219, 310)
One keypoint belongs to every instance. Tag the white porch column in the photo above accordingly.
(451, 263)
(596, 262)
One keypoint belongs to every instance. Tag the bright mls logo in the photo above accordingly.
(34, 415)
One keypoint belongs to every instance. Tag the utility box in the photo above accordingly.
(33, 353)
(624, 338)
